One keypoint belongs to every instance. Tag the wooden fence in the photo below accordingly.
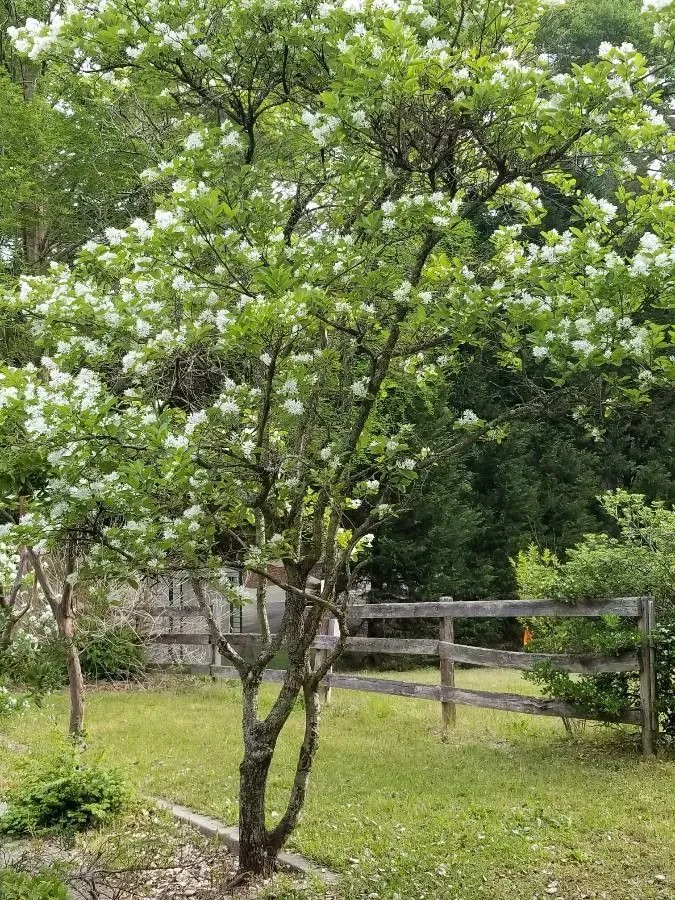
(449, 653)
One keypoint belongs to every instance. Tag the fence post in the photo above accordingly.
(650, 723)
(448, 710)
(216, 659)
(330, 627)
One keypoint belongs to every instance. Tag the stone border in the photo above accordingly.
(212, 828)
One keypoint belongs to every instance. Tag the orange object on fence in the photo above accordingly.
(527, 637)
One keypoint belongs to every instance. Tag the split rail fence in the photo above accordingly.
(449, 653)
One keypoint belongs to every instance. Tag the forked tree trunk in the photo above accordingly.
(258, 847)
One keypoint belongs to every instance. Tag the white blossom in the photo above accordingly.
(360, 388)
(607, 209)
(165, 218)
(402, 292)
(194, 141)
(293, 406)
(649, 5)
(650, 242)
(64, 108)
(468, 417)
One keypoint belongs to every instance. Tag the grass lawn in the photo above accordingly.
(509, 807)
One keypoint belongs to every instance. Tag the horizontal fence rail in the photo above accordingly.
(469, 609)
(462, 696)
(476, 656)
(491, 609)
(449, 653)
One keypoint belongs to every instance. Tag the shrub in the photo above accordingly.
(9, 704)
(21, 886)
(112, 654)
(35, 658)
(63, 793)
(639, 562)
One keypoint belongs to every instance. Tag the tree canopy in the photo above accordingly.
(353, 211)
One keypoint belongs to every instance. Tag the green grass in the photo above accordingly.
(509, 807)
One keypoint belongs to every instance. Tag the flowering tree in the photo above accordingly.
(22, 572)
(359, 198)
(14, 604)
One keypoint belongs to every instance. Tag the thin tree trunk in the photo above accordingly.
(63, 608)
(8, 604)
(310, 745)
(258, 847)
(75, 679)
(33, 230)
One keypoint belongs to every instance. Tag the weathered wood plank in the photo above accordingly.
(480, 656)
(477, 656)
(650, 722)
(175, 637)
(530, 705)
(508, 659)
(618, 606)
(447, 640)
(411, 646)
(482, 609)
(484, 699)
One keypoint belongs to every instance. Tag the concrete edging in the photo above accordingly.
(212, 828)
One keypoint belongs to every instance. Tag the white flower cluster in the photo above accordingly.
(321, 126)
(655, 5)
(520, 196)
(440, 209)
(35, 37)
(468, 419)
(604, 208)
(651, 255)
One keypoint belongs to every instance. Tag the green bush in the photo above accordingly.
(9, 703)
(639, 561)
(106, 653)
(112, 654)
(20, 886)
(38, 664)
(63, 793)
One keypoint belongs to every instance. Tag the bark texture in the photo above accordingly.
(62, 606)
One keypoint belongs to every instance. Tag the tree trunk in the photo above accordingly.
(258, 847)
(63, 610)
(256, 855)
(75, 679)
(303, 769)
(33, 231)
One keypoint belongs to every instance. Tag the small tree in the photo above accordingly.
(357, 199)
(15, 601)
(30, 572)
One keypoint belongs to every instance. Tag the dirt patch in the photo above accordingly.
(147, 858)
